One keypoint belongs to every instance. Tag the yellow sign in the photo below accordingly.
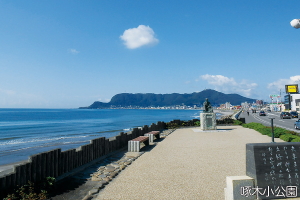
(291, 88)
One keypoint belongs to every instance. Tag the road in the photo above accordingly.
(265, 120)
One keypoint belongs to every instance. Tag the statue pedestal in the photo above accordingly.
(208, 121)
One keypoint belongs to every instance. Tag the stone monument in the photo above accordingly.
(274, 168)
(208, 117)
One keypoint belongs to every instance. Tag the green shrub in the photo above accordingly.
(290, 132)
(279, 131)
(277, 134)
(264, 130)
(285, 137)
(237, 122)
(282, 131)
(288, 137)
(33, 191)
(253, 125)
(172, 125)
(197, 123)
(296, 139)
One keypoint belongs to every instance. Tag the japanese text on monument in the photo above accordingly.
(280, 165)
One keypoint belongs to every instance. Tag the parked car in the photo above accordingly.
(285, 115)
(294, 114)
(262, 113)
(297, 124)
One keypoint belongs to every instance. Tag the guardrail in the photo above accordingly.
(237, 115)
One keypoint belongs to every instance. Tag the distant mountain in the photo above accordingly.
(150, 99)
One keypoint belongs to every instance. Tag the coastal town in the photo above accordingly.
(227, 105)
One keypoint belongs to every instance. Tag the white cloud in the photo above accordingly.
(218, 80)
(229, 85)
(73, 51)
(137, 37)
(280, 84)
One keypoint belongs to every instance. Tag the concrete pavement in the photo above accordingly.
(188, 164)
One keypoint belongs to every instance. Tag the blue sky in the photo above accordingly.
(67, 54)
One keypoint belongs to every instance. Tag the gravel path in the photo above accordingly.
(187, 164)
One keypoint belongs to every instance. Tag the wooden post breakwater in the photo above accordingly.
(55, 163)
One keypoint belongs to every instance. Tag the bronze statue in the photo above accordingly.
(207, 107)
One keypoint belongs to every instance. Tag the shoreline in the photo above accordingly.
(8, 168)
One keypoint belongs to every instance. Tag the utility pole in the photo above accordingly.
(272, 126)
(280, 99)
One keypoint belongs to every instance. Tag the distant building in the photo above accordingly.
(245, 105)
(292, 102)
(259, 102)
(228, 105)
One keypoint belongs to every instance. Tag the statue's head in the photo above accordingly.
(206, 99)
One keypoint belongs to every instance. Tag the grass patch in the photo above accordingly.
(285, 135)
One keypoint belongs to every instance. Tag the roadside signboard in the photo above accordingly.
(291, 89)
(274, 96)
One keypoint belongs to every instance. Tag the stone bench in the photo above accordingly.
(134, 145)
(152, 134)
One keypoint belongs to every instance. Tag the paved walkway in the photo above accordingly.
(187, 164)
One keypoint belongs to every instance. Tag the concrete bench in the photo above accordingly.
(152, 134)
(134, 145)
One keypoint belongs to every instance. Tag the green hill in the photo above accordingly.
(150, 99)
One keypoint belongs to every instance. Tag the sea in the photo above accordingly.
(25, 132)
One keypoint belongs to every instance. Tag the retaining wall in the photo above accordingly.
(56, 162)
